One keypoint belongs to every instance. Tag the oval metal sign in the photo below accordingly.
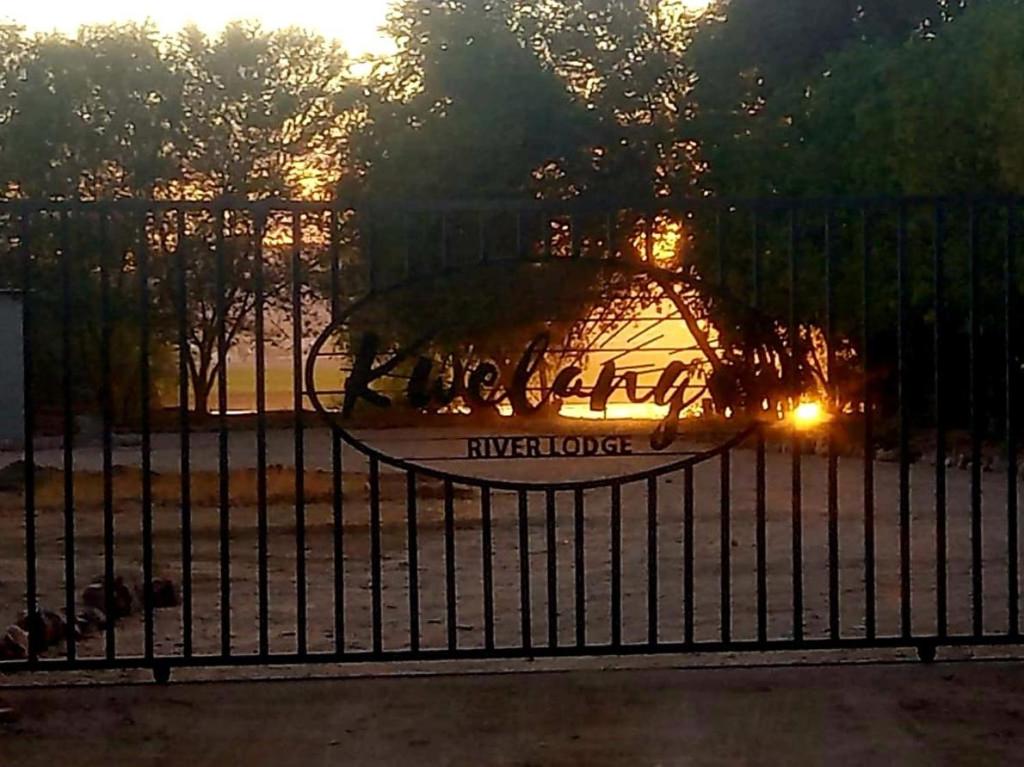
(562, 372)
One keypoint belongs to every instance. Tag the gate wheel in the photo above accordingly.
(162, 673)
(926, 652)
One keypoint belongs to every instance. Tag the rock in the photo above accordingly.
(95, 595)
(89, 426)
(14, 644)
(165, 593)
(45, 627)
(12, 477)
(91, 620)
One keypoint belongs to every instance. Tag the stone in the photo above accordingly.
(91, 620)
(12, 477)
(165, 593)
(44, 628)
(888, 456)
(14, 644)
(95, 595)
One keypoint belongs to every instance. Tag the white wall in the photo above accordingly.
(12, 399)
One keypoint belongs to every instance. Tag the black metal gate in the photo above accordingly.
(265, 530)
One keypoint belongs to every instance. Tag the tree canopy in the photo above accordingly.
(598, 99)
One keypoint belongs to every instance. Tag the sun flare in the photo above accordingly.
(808, 415)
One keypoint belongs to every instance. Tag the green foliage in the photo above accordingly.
(118, 112)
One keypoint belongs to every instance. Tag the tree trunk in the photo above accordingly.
(201, 388)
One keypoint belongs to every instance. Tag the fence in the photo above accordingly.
(314, 515)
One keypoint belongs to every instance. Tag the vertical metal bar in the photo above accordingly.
(412, 535)
(688, 547)
(520, 242)
(870, 609)
(940, 424)
(338, 540)
(796, 447)
(755, 238)
(1010, 351)
(481, 239)
(761, 543)
(761, 521)
(720, 247)
(337, 478)
(903, 288)
(147, 474)
(262, 517)
(976, 415)
(488, 566)
(725, 546)
(444, 242)
(833, 404)
(652, 561)
(450, 593)
(609, 235)
(649, 239)
(184, 429)
(28, 329)
(375, 558)
(69, 427)
(524, 571)
(222, 437)
(574, 234)
(579, 566)
(616, 544)
(552, 560)
(300, 446)
(406, 251)
(373, 277)
(107, 405)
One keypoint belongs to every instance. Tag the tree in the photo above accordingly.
(117, 112)
(921, 114)
(464, 109)
(261, 120)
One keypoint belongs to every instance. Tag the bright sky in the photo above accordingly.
(355, 22)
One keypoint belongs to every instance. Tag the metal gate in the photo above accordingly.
(842, 473)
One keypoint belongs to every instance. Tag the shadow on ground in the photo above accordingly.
(956, 714)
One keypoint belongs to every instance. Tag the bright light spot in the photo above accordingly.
(666, 239)
(615, 411)
(808, 415)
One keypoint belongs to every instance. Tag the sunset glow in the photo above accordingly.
(808, 415)
(357, 25)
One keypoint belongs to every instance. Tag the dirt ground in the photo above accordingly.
(906, 715)
(356, 541)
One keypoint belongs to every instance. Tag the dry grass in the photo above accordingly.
(126, 486)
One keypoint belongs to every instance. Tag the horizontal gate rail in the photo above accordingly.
(183, 490)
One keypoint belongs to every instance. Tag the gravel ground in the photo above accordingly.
(319, 531)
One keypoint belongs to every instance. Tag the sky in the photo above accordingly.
(355, 22)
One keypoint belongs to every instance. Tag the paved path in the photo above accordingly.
(953, 714)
